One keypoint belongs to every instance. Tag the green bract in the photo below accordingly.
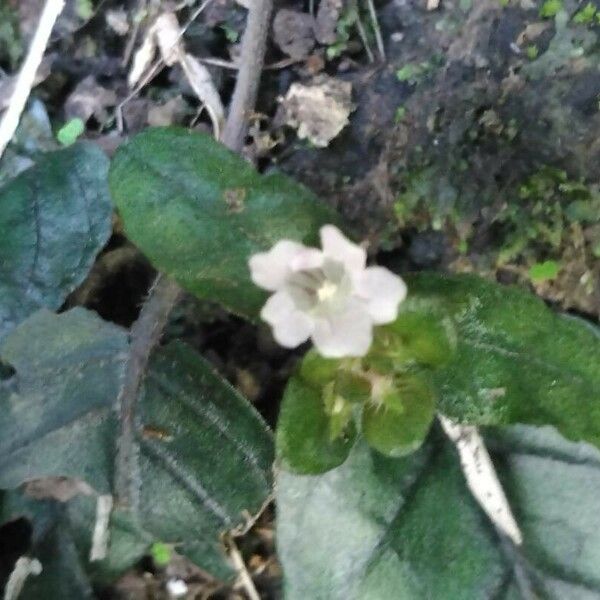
(387, 395)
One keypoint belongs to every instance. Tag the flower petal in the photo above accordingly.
(306, 259)
(348, 332)
(291, 327)
(383, 291)
(269, 269)
(338, 247)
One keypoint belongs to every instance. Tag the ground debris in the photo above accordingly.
(320, 109)
(88, 99)
(166, 36)
(294, 32)
(327, 19)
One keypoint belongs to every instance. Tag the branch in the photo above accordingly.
(146, 331)
(481, 477)
(26, 78)
(254, 44)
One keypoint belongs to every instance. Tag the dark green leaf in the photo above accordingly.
(59, 419)
(55, 218)
(382, 528)
(516, 361)
(198, 212)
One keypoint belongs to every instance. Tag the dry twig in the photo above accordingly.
(481, 477)
(254, 44)
(244, 578)
(376, 29)
(22, 89)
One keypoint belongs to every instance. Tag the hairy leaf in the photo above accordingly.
(515, 360)
(378, 528)
(55, 218)
(198, 212)
(204, 454)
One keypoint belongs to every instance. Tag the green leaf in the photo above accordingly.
(70, 131)
(378, 528)
(515, 361)
(198, 212)
(55, 218)
(161, 554)
(586, 15)
(304, 431)
(544, 271)
(550, 8)
(59, 419)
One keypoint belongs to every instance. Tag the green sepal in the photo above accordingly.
(399, 421)
(304, 432)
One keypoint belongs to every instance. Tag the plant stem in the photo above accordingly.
(144, 336)
(243, 100)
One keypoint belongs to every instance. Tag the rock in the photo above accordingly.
(328, 16)
(318, 110)
(294, 32)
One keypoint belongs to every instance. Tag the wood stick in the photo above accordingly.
(10, 120)
(254, 44)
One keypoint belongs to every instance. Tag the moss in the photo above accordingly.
(541, 211)
(587, 15)
(550, 8)
(427, 199)
(10, 42)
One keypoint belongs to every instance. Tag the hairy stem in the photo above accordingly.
(144, 336)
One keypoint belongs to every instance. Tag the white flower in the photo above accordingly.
(329, 295)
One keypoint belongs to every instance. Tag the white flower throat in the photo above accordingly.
(321, 289)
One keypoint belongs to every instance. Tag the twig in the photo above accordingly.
(134, 33)
(244, 578)
(481, 477)
(145, 335)
(24, 567)
(363, 36)
(100, 535)
(376, 29)
(24, 83)
(253, 49)
(233, 66)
